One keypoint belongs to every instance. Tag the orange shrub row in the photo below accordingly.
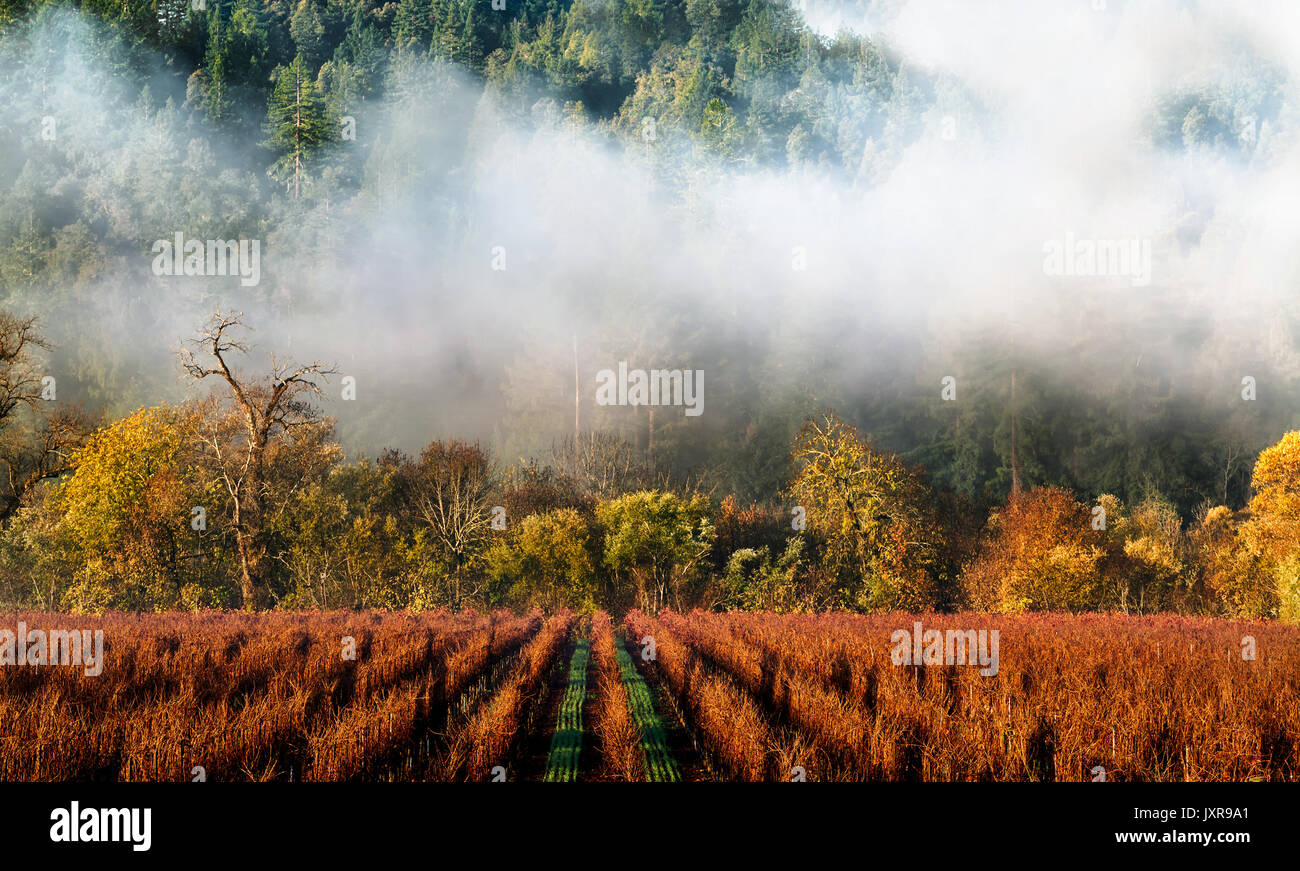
(485, 740)
(1075, 697)
(620, 739)
(237, 696)
(727, 722)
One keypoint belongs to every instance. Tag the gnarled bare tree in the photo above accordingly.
(39, 445)
(265, 411)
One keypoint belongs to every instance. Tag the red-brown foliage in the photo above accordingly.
(242, 696)
(486, 739)
(1149, 698)
(620, 739)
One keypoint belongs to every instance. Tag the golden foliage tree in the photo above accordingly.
(126, 511)
(1235, 578)
(872, 515)
(1041, 553)
(658, 540)
(1273, 531)
(551, 558)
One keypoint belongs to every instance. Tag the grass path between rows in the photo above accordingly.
(566, 742)
(659, 764)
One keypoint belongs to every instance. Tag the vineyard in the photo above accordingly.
(439, 696)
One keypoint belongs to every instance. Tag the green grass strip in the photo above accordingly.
(659, 764)
(566, 742)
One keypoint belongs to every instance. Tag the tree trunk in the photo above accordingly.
(1015, 458)
(249, 541)
(577, 407)
(251, 568)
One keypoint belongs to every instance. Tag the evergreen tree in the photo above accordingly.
(308, 34)
(297, 124)
(411, 23)
(216, 102)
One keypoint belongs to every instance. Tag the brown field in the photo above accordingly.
(445, 696)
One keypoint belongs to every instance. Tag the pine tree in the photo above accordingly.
(411, 23)
(308, 34)
(297, 123)
(216, 102)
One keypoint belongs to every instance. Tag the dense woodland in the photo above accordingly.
(351, 137)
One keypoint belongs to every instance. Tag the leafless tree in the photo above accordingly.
(19, 382)
(265, 411)
(41, 452)
(39, 445)
(451, 490)
(605, 465)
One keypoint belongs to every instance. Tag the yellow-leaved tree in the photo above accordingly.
(1045, 551)
(1272, 533)
(1236, 581)
(126, 511)
(550, 560)
(872, 517)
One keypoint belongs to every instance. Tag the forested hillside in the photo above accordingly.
(468, 209)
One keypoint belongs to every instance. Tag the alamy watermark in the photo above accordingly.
(37, 647)
(950, 647)
(102, 825)
(1107, 258)
(653, 387)
(181, 256)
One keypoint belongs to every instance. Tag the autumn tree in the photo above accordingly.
(754, 580)
(450, 488)
(658, 540)
(550, 559)
(266, 433)
(127, 512)
(1273, 531)
(1237, 581)
(1041, 552)
(530, 488)
(753, 526)
(1155, 558)
(344, 540)
(879, 536)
